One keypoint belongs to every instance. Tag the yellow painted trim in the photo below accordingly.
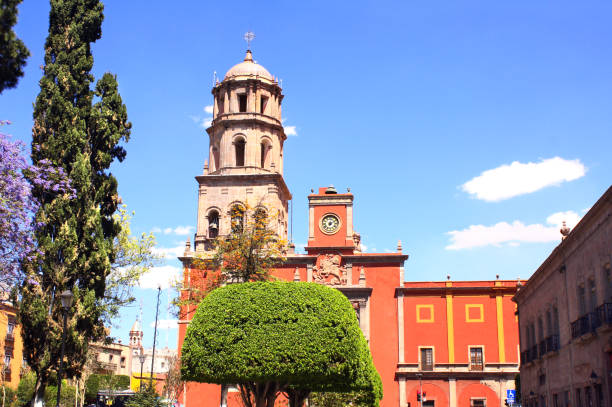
(500, 329)
(480, 307)
(450, 328)
(430, 307)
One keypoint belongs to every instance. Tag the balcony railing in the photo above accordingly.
(585, 324)
(477, 366)
(552, 343)
(604, 311)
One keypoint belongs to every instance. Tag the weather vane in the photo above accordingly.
(248, 37)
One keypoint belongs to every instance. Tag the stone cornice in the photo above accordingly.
(239, 179)
(331, 199)
(427, 291)
(245, 118)
(556, 260)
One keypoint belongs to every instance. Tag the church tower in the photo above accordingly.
(244, 170)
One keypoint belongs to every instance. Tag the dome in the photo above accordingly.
(248, 68)
(136, 326)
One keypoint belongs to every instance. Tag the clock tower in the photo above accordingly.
(244, 171)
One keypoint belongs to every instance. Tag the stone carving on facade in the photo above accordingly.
(328, 270)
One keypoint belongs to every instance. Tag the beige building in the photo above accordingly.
(112, 358)
(565, 318)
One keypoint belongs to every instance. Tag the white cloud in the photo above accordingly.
(165, 324)
(206, 122)
(208, 109)
(162, 276)
(508, 181)
(571, 218)
(290, 131)
(195, 119)
(183, 230)
(179, 230)
(511, 234)
(170, 252)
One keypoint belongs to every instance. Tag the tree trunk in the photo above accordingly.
(297, 397)
(39, 393)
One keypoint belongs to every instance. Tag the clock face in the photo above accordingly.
(330, 224)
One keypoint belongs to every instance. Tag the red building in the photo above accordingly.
(458, 340)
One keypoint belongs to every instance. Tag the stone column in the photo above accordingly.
(402, 392)
(452, 392)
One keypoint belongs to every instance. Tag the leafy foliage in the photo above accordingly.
(134, 256)
(26, 387)
(97, 382)
(74, 233)
(270, 336)
(173, 385)
(146, 398)
(249, 253)
(13, 52)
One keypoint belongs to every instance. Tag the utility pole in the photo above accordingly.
(154, 337)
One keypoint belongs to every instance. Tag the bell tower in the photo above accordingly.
(245, 156)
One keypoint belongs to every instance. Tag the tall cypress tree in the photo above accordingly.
(77, 128)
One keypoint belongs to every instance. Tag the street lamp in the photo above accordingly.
(142, 358)
(420, 376)
(66, 297)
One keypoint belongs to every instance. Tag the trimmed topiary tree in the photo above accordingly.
(275, 337)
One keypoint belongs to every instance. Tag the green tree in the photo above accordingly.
(146, 398)
(248, 253)
(13, 52)
(78, 129)
(274, 337)
(134, 256)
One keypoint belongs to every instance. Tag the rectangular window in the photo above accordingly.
(476, 360)
(242, 102)
(427, 359)
(555, 401)
(10, 328)
(262, 105)
(578, 398)
(581, 300)
(566, 398)
(592, 296)
(478, 403)
(7, 362)
(220, 106)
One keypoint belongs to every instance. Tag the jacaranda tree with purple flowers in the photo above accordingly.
(78, 128)
(16, 208)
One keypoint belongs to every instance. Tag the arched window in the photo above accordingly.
(240, 145)
(260, 216)
(215, 159)
(265, 147)
(213, 224)
(237, 216)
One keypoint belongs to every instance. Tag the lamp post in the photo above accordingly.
(420, 376)
(142, 358)
(66, 298)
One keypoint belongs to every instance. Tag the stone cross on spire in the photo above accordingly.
(248, 37)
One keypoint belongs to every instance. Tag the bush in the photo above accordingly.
(9, 395)
(146, 398)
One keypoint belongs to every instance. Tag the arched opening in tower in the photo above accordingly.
(240, 147)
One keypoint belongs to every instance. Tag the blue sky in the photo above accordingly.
(467, 130)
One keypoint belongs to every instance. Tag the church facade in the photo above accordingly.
(456, 343)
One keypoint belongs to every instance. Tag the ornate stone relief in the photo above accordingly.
(328, 270)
